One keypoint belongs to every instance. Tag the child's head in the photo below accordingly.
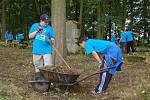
(82, 40)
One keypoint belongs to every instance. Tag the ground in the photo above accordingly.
(16, 69)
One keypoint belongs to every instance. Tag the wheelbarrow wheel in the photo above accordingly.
(39, 86)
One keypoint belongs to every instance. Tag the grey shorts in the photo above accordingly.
(40, 61)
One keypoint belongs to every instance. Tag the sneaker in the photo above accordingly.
(99, 93)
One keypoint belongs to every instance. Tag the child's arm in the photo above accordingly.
(95, 55)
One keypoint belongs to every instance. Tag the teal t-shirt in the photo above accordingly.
(98, 46)
(10, 36)
(40, 42)
(129, 36)
(123, 37)
(113, 38)
(19, 36)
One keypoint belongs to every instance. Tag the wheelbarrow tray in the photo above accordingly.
(42, 81)
(58, 77)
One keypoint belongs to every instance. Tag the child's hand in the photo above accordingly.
(100, 64)
(52, 42)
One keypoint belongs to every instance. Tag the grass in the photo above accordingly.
(131, 84)
(135, 58)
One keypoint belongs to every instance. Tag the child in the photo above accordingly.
(42, 49)
(111, 55)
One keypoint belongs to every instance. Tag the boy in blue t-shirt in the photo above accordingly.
(112, 57)
(113, 38)
(20, 37)
(10, 39)
(6, 36)
(42, 48)
(123, 41)
(129, 35)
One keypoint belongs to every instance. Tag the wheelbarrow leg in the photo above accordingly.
(39, 86)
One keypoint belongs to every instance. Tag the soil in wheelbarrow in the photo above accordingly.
(64, 70)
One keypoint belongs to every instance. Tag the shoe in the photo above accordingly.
(99, 93)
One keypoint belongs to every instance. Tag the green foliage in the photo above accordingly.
(2, 98)
(143, 44)
(20, 14)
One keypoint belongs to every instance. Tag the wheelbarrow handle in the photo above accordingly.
(40, 81)
(86, 77)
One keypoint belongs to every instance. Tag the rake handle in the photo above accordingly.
(56, 50)
(61, 56)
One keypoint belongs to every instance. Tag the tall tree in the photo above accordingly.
(81, 16)
(59, 24)
(145, 17)
(131, 2)
(124, 13)
(3, 18)
(100, 19)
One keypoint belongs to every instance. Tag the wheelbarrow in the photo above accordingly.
(42, 81)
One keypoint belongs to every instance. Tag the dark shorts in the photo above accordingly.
(122, 44)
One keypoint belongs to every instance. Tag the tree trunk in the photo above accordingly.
(3, 17)
(59, 24)
(144, 18)
(81, 16)
(100, 22)
(131, 17)
(124, 13)
(109, 20)
(148, 37)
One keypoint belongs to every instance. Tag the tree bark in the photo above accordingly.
(131, 17)
(124, 13)
(100, 22)
(59, 24)
(81, 16)
(144, 17)
(3, 17)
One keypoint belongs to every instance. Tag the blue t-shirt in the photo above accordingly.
(113, 38)
(19, 36)
(123, 37)
(10, 37)
(6, 34)
(98, 46)
(40, 42)
(129, 36)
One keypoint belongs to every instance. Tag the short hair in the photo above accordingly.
(81, 38)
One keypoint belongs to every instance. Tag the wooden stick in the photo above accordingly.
(61, 56)
(56, 50)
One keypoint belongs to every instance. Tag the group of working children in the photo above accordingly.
(43, 38)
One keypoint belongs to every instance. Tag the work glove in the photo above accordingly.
(39, 29)
(52, 42)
